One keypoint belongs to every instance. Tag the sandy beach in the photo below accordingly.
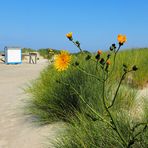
(15, 129)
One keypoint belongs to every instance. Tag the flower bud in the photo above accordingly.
(108, 55)
(102, 61)
(78, 43)
(135, 68)
(113, 47)
(108, 62)
(88, 57)
(99, 52)
(124, 65)
(97, 57)
(76, 63)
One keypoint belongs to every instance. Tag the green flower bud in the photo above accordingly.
(88, 57)
(78, 43)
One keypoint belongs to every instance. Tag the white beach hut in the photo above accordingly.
(13, 55)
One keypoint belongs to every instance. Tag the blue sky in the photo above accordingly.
(95, 23)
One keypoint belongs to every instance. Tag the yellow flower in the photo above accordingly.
(121, 38)
(69, 35)
(62, 61)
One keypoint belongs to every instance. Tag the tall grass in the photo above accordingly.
(131, 57)
(85, 133)
(53, 101)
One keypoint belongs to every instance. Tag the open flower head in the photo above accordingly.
(62, 61)
(69, 35)
(121, 39)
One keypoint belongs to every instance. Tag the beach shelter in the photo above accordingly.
(13, 55)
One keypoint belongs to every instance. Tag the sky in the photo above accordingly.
(95, 23)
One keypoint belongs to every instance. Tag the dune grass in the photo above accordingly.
(86, 133)
(53, 101)
(131, 57)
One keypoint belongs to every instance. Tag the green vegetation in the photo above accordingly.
(137, 57)
(53, 100)
(27, 50)
(46, 52)
(85, 133)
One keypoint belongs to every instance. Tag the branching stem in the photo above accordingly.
(117, 90)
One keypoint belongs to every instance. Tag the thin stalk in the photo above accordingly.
(114, 60)
(115, 127)
(132, 141)
(140, 131)
(97, 65)
(117, 90)
(137, 125)
(104, 120)
(96, 113)
(77, 46)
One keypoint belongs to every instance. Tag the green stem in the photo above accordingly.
(91, 108)
(140, 131)
(137, 125)
(133, 139)
(117, 90)
(96, 113)
(115, 127)
(77, 46)
(113, 101)
(97, 65)
(114, 60)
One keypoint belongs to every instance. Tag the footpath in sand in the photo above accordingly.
(15, 130)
